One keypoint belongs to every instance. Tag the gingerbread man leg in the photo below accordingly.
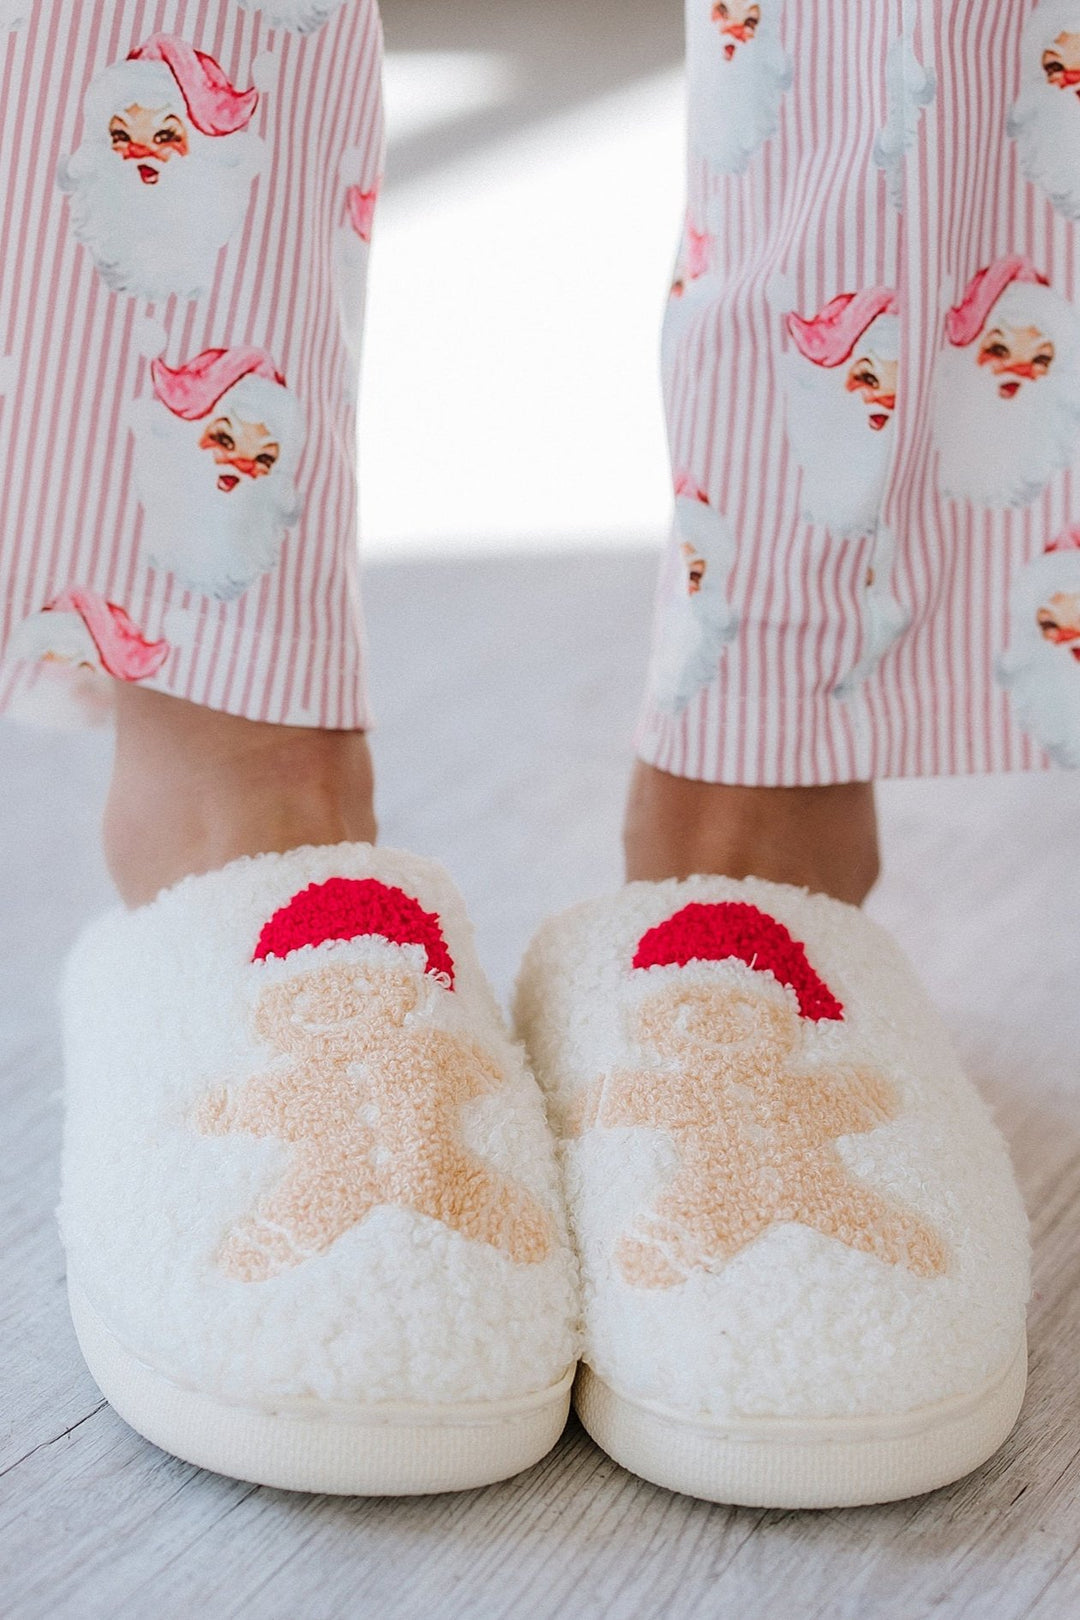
(693, 1226)
(482, 1205)
(304, 1215)
(840, 1207)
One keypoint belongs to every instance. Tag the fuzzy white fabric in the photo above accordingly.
(796, 1324)
(156, 1009)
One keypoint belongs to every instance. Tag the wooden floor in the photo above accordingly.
(504, 753)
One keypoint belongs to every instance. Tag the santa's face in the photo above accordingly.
(1015, 355)
(739, 72)
(695, 566)
(1061, 62)
(840, 425)
(217, 495)
(1041, 668)
(148, 137)
(738, 22)
(873, 379)
(1045, 120)
(241, 449)
(1059, 621)
(153, 198)
(695, 620)
(1007, 405)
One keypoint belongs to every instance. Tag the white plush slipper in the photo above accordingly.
(804, 1256)
(310, 1202)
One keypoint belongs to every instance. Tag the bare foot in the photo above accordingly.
(193, 788)
(821, 838)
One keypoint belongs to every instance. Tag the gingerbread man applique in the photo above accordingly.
(369, 1095)
(755, 1124)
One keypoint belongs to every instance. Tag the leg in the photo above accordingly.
(193, 788)
(196, 552)
(824, 838)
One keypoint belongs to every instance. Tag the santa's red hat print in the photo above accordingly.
(1007, 386)
(215, 106)
(162, 179)
(829, 337)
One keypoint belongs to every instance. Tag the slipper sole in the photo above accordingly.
(808, 1463)
(333, 1448)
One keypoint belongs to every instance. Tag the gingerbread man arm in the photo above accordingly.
(624, 1097)
(259, 1106)
(841, 1101)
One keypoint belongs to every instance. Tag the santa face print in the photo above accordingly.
(1059, 621)
(873, 378)
(1061, 62)
(299, 16)
(1007, 399)
(695, 620)
(738, 22)
(153, 196)
(81, 643)
(240, 449)
(148, 137)
(1041, 668)
(1045, 121)
(1015, 356)
(739, 74)
(217, 492)
(840, 426)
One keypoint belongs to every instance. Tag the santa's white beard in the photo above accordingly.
(302, 16)
(844, 460)
(1045, 124)
(692, 629)
(1043, 680)
(214, 541)
(153, 240)
(351, 263)
(1000, 452)
(734, 105)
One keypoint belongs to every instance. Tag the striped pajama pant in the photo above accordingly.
(870, 362)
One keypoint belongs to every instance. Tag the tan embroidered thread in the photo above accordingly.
(755, 1130)
(370, 1102)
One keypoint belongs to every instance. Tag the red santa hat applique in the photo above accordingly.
(122, 648)
(966, 319)
(829, 338)
(215, 106)
(733, 929)
(361, 206)
(348, 908)
(192, 390)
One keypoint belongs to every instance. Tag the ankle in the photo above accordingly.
(193, 789)
(820, 838)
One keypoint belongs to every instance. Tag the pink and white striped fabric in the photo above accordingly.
(186, 192)
(872, 370)
(871, 361)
